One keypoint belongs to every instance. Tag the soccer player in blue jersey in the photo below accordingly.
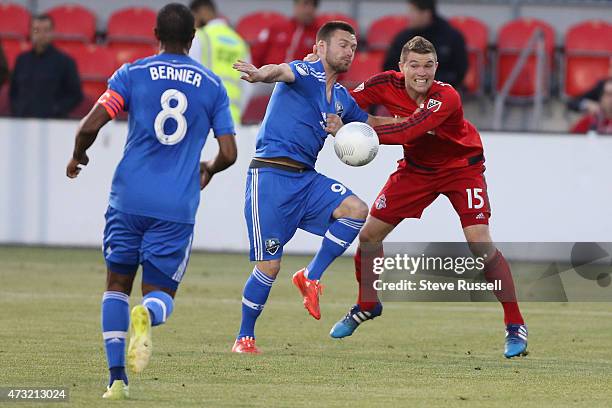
(283, 191)
(172, 103)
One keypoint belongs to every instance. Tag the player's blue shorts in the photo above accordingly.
(162, 247)
(278, 202)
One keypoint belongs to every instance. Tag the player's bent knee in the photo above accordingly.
(352, 207)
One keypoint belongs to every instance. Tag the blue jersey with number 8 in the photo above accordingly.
(172, 103)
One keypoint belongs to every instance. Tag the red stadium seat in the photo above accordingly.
(251, 25)
(73, 23)
(511, 40)
(14, 21)
(255, 110)
(95, 65)
(588, 48)
(12, 48)
(365, 65)
(325, 17)
(130, 52)
(383, 30)
(134, 24)
(476, 35)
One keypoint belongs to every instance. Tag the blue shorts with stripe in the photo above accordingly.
(278, 202)
(162, 247)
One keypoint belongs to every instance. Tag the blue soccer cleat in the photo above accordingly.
(516, 340)
(353, 319)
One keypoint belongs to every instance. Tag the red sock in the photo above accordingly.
(498, 269)
(367, 298)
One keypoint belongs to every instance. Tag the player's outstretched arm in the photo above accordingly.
(382, 120)
(86, 135)
(267, 73)
(225, 157)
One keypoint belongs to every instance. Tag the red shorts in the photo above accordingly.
(410, 190)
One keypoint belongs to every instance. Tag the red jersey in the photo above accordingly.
(597, 123)
(436, 137)
(285, 42)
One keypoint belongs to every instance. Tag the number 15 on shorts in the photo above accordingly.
(474, 198)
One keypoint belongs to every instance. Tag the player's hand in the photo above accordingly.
(205, 174)
(250, 71)
(591, 107)
(73, 169)
(334, 123)
(312, 57)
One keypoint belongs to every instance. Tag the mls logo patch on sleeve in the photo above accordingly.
(272, 245)
(302, 68)
(434, 105)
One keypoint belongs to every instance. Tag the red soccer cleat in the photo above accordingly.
(310, 289)
(245, 345)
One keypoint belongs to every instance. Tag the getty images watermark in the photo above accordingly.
(551, 272)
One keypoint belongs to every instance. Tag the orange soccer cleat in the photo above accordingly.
(310, 289)
(245, 345)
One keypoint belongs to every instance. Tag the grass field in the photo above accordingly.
(417, 354)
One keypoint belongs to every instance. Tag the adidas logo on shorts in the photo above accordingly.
(480, 216)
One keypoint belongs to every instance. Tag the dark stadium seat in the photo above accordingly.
(73, 23)
(255, 110)
(364, 66)
(588, 48)
(383, 30)
(134, 24)
(12, 48)
(14, 21)
(476, 35)
(129, 52)
(325, 17)
(512, 38)
(251, 25)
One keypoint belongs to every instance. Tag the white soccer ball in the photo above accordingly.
(356, 144)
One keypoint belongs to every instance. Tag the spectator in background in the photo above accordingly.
(589, 101)
(600, 121)
(3, 67)
(289, 41)
(217, 46)
(45, 82)
(449, 43)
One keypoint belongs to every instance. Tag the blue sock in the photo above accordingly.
(115, 322)
(254, 296)
(160, 306)
(337, 238)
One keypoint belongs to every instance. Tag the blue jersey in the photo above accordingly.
(294, 125)
(172, 103)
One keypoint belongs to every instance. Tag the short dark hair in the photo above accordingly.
(327, 30)
(420, 45)
(424, 5)
(315, 2)
(175, 24)
(196, 4)
(44, 17)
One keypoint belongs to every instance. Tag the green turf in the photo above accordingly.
(418, 354)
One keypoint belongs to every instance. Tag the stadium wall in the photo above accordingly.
(542, 187)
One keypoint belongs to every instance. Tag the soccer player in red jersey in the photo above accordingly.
(443, 154)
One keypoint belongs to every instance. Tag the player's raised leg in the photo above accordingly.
(166, 249)
(497, 269)
(338, 227)
(368, 306)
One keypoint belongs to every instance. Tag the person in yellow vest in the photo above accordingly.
(217, 46)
